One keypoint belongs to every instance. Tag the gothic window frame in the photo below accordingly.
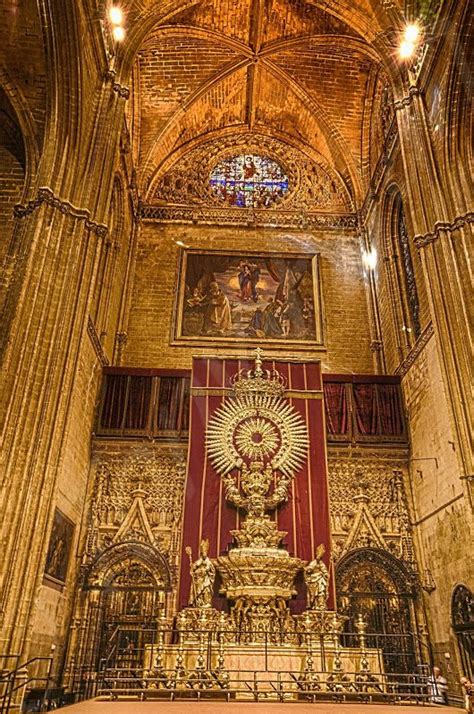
(401, 275)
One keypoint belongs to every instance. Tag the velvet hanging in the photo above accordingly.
(206, 513)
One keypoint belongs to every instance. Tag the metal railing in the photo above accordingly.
(280, 685)
(168, 663)
(15, 678)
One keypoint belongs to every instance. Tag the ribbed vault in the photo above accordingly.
(307, 73)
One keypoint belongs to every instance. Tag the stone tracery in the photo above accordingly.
(311, 185)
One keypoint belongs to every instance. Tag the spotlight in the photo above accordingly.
(407, 49)
(411, 34)
(116, 15)
(119, 34)
(369, 259)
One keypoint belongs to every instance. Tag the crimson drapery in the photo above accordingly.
(335, 402)
(207, 515)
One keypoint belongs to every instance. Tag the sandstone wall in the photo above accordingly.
(346, 321)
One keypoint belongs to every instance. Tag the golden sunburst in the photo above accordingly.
(256, 438)
(232, 433)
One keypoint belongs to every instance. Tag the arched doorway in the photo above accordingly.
(376, 585)
(462, 617)
(122, 595)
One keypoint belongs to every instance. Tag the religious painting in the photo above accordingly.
(228, 298)
(60, 543)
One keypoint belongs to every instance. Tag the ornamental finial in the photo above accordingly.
(258, 361)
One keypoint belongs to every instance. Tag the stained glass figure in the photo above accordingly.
(248, 181)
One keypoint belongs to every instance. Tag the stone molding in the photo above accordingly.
(119, 89)
(418, 347)
(98, 349)
(421, 241)
(414, 91)
(378, 175)
(247, 217)
(46, 195)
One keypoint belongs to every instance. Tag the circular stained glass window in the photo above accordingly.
(248, 181)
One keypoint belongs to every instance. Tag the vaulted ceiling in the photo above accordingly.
(304, 72)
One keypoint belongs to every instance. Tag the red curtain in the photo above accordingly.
(114, 401)
(390, 409)
(365, 402)
(335, 401)
(138, 403)
(206, 513)
(168, 403)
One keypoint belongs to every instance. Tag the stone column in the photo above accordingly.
(46, 316)
(441, 236)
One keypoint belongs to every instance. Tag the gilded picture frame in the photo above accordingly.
(59, 549)
(227, 298)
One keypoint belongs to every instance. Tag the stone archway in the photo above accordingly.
(462, 618)
(122, 596)
(373, 583)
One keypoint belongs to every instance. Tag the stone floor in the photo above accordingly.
(203, 707)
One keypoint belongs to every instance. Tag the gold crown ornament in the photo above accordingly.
(258, 380)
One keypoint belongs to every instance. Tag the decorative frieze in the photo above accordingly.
(418, 347)
(94, 338)
(414, 91)
(247, 217)
(138, 496)
(120, 89)
(369, 507)
(309, 183)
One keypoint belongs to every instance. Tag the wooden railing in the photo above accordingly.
(155, 403)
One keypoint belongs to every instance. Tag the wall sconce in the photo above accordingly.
(369, 259)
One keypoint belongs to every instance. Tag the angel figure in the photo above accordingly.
(203, 574)
(316, 577)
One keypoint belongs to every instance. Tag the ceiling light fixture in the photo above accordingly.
(406, 50)
(411, 34)
(116, 15)
(118, 33)
(409, 41)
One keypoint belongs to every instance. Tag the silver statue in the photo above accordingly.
(316, 577)
(203, 574)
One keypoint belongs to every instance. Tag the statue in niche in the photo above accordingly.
(203, 574)
(316, 577)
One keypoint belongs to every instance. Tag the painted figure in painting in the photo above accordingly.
(249, 274)
(316, 577)
(217, 317)
(203, 574)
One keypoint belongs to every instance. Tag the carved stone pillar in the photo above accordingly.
(45, 319)
(442, 238)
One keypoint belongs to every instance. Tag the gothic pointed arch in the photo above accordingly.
(402, 282)
(462, 620)
(128, 558)
(376, 585)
